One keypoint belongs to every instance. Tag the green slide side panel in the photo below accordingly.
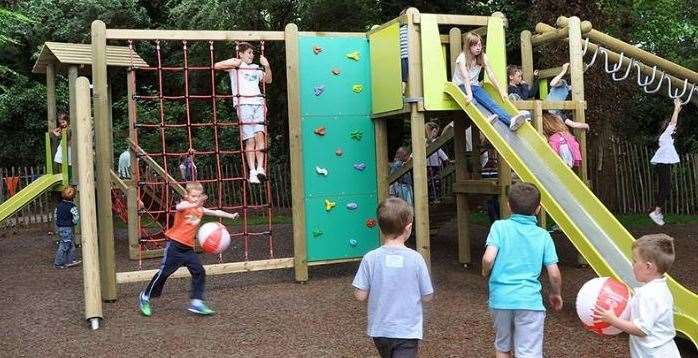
(386, 78)
(591, 228)
(433, 66)
(543, 88)
(496, 49)
(343, 115)
(29, 193)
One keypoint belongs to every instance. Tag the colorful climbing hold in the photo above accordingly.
(329, 205)
(356, 134)
(352, 206)
(353, 242)
(321, 171)
(354, 55)
(317, 233)
(370, 223)
(339, 152)
(360, 166)
(319, 89)
(317, 49)
(357, 88)
(320, 131)
(336, 71)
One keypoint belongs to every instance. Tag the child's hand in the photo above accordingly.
(504, 95)
(263, 61)
(235, 216)
(677, 103)
(536, 73)
(605, 315)
(555, 301)
(468, 97)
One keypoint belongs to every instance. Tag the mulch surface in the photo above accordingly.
(266, 314)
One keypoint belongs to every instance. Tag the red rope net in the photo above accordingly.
(224, 179)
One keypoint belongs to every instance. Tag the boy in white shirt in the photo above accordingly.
(651, 324)
(245, 77)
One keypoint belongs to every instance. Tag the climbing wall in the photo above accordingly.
(338, 149)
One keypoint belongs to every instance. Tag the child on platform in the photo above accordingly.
(179, 251)
(663, 159)
(517, 249)
(62, 127)
(651, 323)
(559, 91)
(66, 216)
(518, 88)
(245, 78)
(561, 140)
(469, 63)
(395, 280)
(402, 188)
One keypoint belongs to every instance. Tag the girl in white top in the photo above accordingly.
(663, 159)
(468, 66)
(63, 126)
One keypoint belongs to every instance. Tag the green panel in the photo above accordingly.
(320, 151)
(543, 89)
(496, 49)
(340, 111)
(316, 70)
(339, 226)
(433, 66)
(386, 78)
(29, 193)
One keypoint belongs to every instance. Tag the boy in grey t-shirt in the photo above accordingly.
(395, 280)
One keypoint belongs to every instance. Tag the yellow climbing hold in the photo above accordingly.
(354, 55)
(357, 88)
(329, 205)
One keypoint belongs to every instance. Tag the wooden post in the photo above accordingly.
(103, 165)
(538, 123)
(419, 158)
(134, 220)
(51, 96)
(110, 123)
(527, 57)
(88, 217)
(72, 77)
(382, 157)
(134, 247)
(300, 253)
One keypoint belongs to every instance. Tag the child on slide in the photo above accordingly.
(468, 66)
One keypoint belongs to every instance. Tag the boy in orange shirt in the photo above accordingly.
(179, 251)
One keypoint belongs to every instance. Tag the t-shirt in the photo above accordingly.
(403, 41)
(524, 91)
(250, 75)
(523, 249)
(437, 158)
(473, 73)
(396, 279)
(652, 310)
(185, 224)
(666, 153)
(559, 92)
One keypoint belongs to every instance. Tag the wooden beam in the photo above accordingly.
(200, 35)
(400, 19)
(211, 270)
(549, 72)
(526, 56)
(330, 262)
(463, 20)
(565, 105)
(116, 181)
(72, 77)
(382, 157)
(405, 109)
(300, 252)
(103, 164)
(476, 186)
(157, 168)
(556, 34)
(51, 96)
(538, 123)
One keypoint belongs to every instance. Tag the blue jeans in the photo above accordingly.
(66, 248)
(484, 99)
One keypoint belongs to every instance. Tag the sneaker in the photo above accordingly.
(526, 115)
(492, 118)
(261, 174)
(144, 304)
(658, 218)
(74, 263)
(200, 308)
(253, 177)
(59, 266)
(516, 122)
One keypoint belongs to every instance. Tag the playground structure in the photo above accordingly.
(345, 107)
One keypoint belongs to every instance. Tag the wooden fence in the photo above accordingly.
(41, 210)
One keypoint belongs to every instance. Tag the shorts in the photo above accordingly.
(253, 114)
(520, 331)
(404, 69)
(396, 347)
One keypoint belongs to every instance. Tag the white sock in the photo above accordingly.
(144, 296)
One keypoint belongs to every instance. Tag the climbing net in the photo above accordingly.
(183, 120)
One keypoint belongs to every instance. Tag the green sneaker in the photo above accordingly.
(144, 305)
(200, 308)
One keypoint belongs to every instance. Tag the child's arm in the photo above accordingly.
(677, 109)
(360, 295)
(228, 64)
(555, 297)
(572, 124)
(608, 316)
(466, 81)
(186, 204)
(488, 260)
(220, 214)
(493, 78)
(556, 80)
(428, 298)
(267, 69)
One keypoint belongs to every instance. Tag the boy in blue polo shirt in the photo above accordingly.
(517, 249)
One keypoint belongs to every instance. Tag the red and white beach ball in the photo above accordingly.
(609, 293)
(213, 237)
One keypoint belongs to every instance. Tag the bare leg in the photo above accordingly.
(259, 150)
(503, 354)
(249, 153)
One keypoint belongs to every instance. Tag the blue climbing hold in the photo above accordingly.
(360, 166)
(353, 242)
(352, 206)
(319, 89)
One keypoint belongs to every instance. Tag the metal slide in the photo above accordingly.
(593, 230)
(26, 195)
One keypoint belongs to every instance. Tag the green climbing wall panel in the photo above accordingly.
(331, 105)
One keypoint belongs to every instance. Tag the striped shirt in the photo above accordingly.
(403, 41)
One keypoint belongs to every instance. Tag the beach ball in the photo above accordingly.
(608, 293)
(213, 237)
